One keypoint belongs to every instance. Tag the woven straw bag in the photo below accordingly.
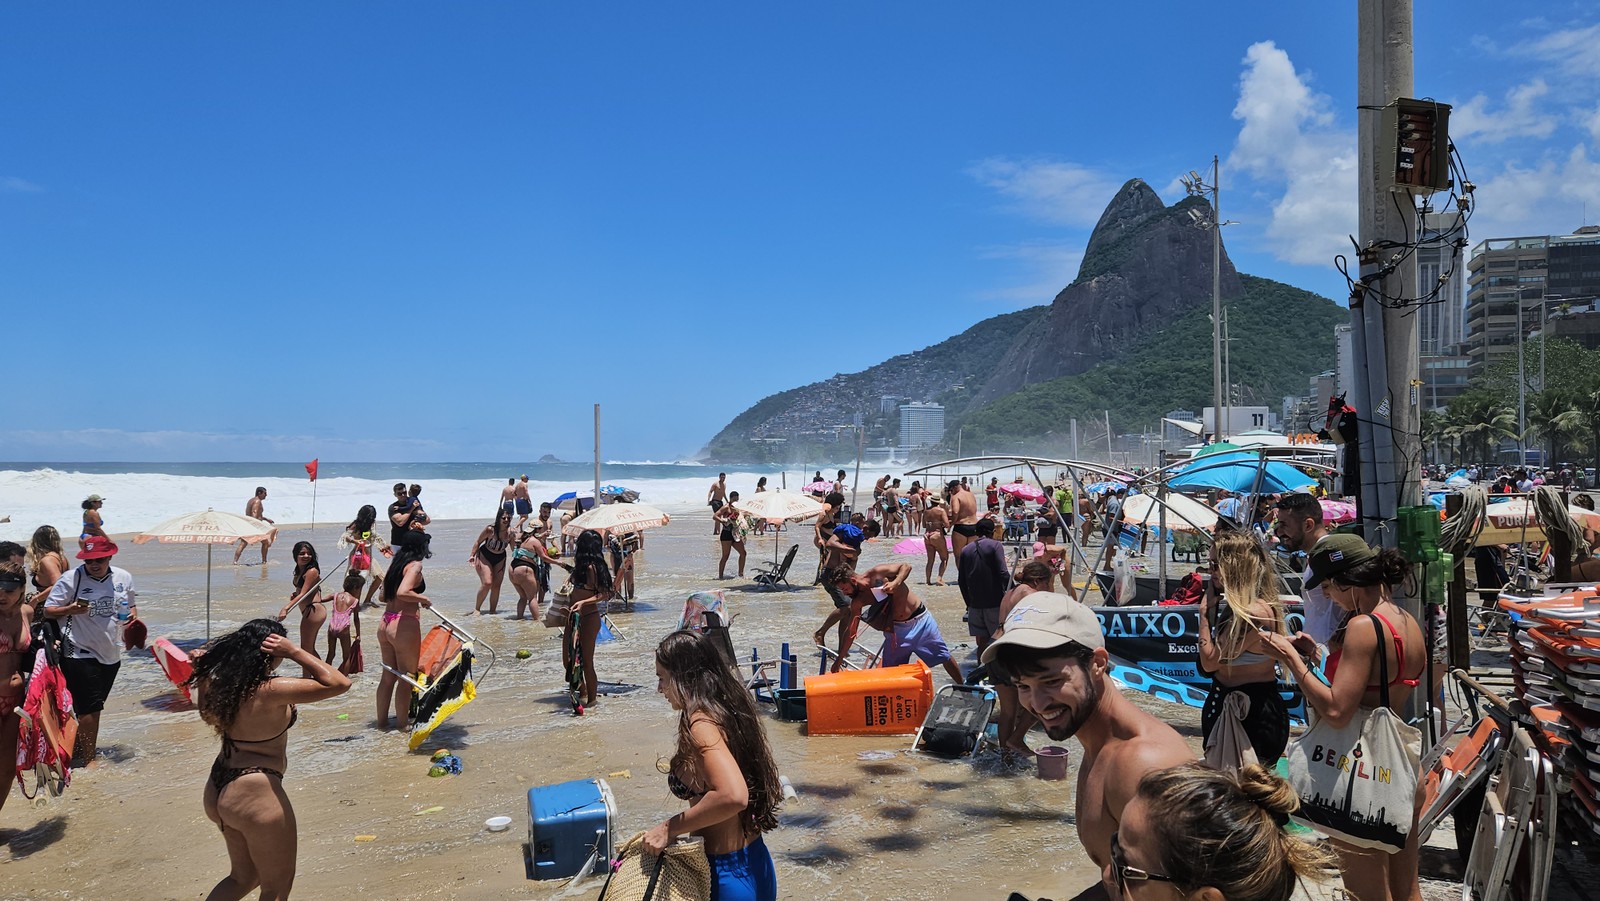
(681, 873)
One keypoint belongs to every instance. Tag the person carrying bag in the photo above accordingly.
(1355, 769)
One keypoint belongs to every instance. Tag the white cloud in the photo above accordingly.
(1547, 198)
(1060, 193)
(10, 184)
(1046, 268)
(1590, 119)
(1575, 51)
(1289, 138)
(1518, 118)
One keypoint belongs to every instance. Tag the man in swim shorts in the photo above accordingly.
(715, 498)
(253, 509)
(524, 503)
(1053, 650)
(880, 598)
(89, 596)
(963, 515)
(984, 577)
(508, 495)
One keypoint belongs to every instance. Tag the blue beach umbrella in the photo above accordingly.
(1238, 472)
(572, 500)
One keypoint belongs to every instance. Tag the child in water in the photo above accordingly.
(345, 616)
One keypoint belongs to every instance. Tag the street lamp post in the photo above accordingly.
(1522, 395)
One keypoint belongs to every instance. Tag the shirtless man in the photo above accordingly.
(524, 503)
(253, 509)
(892, 519)
(508, 496)
(715, 498)
(936, 525)
(842, 548)
(823, 528)
(963, 516)
(879, 597)
(1052, 649)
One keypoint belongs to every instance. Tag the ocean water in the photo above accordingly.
(140, 495)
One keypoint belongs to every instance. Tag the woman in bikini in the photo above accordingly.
(307, 595)
(94, 525)
(360, 542)
(400, 637)
(489, 560)
(530, 569)
(723, 767)
(1241, 601)
(16, 618)
(936, 539)
(591, 589)
(253, 710)
(47, 561)
(1377, 636)
(731, 535)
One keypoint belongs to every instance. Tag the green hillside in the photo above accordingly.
(1282, 336)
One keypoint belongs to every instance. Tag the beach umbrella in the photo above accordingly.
(916, 546)
(1184, 514)
(208, 528)
(572, 500)
(779, 506)
(617, 518)
(614, 493)
(1024, 490)
(1239, 472)
(1521, 512)
(1337, 511)
(817, 488)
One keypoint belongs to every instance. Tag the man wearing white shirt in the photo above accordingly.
(88, 598)
(1299, 528)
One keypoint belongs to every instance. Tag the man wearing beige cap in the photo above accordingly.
(1052, 649)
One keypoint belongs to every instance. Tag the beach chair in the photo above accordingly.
(956, 722)
(443, 682)
(768, 576)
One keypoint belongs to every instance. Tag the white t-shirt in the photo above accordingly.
(95, 634)
(1322, 614)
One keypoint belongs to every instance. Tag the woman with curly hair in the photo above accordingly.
(723, 767)
(1240, 605)
(591, 589)
(400, 636)
(307, 595)
(252, 709)
(1211, 834)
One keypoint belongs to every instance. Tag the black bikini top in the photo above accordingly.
(679, 790)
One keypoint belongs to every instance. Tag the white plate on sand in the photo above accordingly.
(497, 824)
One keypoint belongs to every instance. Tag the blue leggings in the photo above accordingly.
(745, 875)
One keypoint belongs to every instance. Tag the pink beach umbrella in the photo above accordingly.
(817, 488)
(914, 546)
(1023, 490)
(1338, 511)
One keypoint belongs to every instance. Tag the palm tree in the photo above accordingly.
(1554, 415)
(1480, 420)
(1436, 428)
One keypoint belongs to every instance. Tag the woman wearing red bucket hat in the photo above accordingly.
(90, 597)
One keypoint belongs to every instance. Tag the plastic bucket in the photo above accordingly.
(1052, 763)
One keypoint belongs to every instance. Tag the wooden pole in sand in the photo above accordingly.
(596, 458)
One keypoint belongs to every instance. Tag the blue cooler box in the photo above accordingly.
(566, 823)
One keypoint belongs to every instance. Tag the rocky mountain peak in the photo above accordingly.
(1134, 203)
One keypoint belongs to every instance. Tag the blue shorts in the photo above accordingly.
(745, 875)
(918, 635)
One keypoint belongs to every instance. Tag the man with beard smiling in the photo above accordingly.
(1052, 649)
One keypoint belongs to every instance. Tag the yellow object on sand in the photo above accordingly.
(366, 838)
(621, 774)
(427, 810)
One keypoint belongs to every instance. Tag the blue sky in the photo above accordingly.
(403, 231)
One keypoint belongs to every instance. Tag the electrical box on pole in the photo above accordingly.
(1416, 146)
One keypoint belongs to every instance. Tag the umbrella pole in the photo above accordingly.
(208, 591)
(1161, 546)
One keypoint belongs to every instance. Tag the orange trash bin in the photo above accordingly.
(886, 701)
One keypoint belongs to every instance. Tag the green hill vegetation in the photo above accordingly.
(1282, 336)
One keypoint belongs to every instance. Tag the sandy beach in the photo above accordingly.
(870, 821)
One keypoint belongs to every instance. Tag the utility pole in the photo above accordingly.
(1216, 292)
(1385, 339)
(1074, 437)
(1108, 439)
(1227, 368)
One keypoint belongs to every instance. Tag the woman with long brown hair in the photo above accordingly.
(400, 636)
(591, 589)
(723, 767)
(46, 560)
(1240, 603)
(307, 595)
(253, 710)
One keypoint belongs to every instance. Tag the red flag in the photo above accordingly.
(311, 470)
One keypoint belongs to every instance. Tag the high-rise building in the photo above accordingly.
(921, 425)
(1514, 285)
(1441, 324)
(1344, 370)
(887, 404)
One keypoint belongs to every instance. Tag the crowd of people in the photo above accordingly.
(1144, 805)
